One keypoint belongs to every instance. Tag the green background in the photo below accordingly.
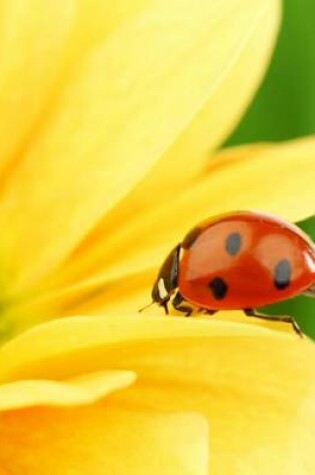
(284, 109)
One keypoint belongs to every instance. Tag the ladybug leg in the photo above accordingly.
(164, 305)
(207, 311)
(250, 312)
(177, 304)
(310, 291)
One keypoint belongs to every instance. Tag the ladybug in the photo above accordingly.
(241, 260)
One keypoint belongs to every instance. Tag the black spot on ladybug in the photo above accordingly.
(218, 287)
(191, 238)
(233, 243)
(282, 274)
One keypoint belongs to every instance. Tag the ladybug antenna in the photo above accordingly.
(146, 306)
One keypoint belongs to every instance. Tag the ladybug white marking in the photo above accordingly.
(162, 290)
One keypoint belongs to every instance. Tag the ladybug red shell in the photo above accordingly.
(241, 260)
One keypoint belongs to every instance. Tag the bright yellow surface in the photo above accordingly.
(77, 391)
(254, 394)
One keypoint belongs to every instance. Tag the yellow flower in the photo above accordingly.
(109, 113)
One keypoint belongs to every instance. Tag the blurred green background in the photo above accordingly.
(284, 109)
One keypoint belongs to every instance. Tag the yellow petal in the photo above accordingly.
(37, 352)
(33, 36)
(111, 122)
(47, 40)
(96, 19)
(190, 151)
(255, 387)
(257, 394)
(81, 390)
(97, 440)
(278, 179)
(212, 124)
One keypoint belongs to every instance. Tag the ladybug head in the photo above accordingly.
(166, 281)
(159, 295)
(159, 292)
